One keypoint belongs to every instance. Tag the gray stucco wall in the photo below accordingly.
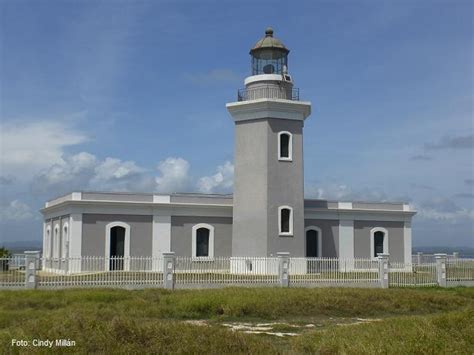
(285, 187)
(181, 234)
(330, 232)
(94, 230)
(395, 239)
(262, 183)
(250, 189)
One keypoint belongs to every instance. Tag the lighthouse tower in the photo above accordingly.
(268, 212)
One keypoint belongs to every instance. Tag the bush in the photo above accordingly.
(4, 262)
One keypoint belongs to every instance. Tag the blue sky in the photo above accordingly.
(130, 95)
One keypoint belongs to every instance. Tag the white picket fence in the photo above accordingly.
(412, 275)
(460, 269)
(333, 272)
(94, 271)
(221, 271)
(11, 275)
(189, 272)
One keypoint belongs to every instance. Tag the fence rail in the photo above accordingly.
(168, 271)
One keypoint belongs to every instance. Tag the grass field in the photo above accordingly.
(358, 321)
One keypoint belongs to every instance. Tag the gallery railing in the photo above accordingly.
(268, 92)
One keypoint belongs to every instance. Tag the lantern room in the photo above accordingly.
(269, 55)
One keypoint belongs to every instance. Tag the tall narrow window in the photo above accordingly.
(65, 240)
(285, 150)
(285, 218)
(202, 242)
(378, 243)
(56, 242)
(47, 246)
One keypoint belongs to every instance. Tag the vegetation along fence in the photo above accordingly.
(168, 271)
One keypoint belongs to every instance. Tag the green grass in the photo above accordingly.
(449, 333)
(420, 320)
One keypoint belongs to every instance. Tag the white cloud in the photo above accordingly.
(28, 147)
(442, 209)
(84, 171)
(115, 174)
(174, 175)
(342, 192)
(15, 211)
(222, 181)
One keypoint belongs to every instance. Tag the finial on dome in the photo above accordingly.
(269, 32)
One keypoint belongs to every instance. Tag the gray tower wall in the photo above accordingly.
(285, 187)
(262, 183)
(250, 189)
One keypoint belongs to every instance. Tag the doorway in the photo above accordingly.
(312, 250)
(117, 248)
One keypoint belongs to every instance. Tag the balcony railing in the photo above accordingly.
(268, 92)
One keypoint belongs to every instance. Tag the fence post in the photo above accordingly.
(418, 259)
(455, 255)
(31, 265)
(168, 270)
(283, 268)
(441, 269)
(383, 270)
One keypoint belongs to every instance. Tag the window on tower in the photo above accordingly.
(285, 142)
(285, 220)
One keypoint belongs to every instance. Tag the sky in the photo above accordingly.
(130, 96)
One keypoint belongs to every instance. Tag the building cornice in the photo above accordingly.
(208, 209)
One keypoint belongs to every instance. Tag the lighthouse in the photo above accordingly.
(268, 211)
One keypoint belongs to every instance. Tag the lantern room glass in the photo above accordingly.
(269, 61)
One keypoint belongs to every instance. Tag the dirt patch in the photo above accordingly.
(283, 329)
(262, 328)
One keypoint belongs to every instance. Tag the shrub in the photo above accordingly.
(4, 262)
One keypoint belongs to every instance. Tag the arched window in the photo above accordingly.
(56, 242)
(285, 220)
(47, 243)
(313, 242)
(378, 242)
(65, 240)
(203, 241)
(285, 146)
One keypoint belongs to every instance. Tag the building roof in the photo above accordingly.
(213, 200)
(269, 42)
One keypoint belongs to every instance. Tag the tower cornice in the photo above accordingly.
(269, 108)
